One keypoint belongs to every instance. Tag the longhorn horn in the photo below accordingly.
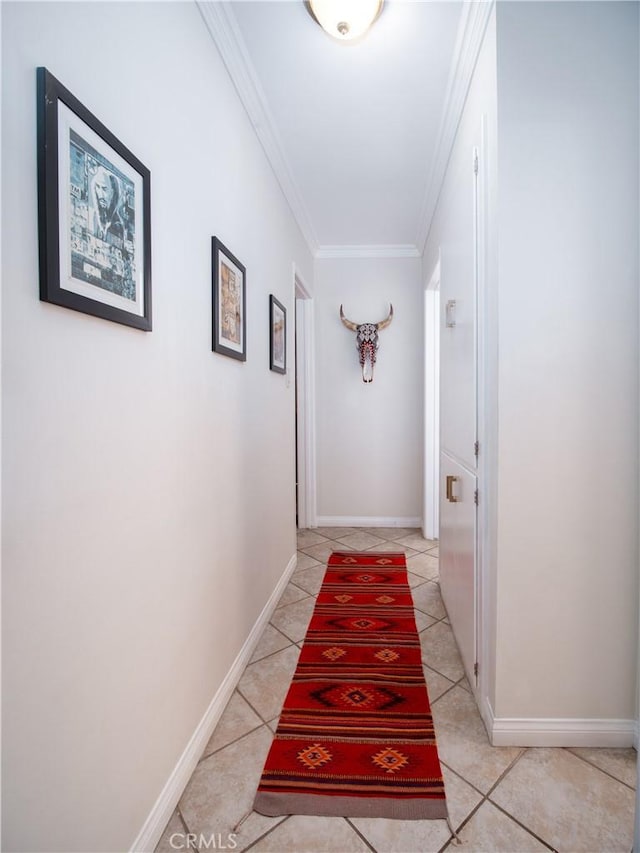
(384, 323)
(348, 323)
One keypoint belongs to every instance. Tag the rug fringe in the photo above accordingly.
(456, 838)
(241, 821)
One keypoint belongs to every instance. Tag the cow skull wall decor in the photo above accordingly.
(367, 341)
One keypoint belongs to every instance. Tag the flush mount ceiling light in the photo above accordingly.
(345, 20)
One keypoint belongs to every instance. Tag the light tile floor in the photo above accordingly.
(505, 800)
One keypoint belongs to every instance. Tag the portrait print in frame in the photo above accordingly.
(277, 336)
(94, 213)
(229, 301)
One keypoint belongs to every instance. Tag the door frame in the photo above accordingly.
(431, 505)
(305, 402)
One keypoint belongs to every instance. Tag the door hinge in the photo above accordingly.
(475, 161)
(475, 497)
(476, 448)
(475, 669)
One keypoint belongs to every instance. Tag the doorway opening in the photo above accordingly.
(431, 505)
(304, 406)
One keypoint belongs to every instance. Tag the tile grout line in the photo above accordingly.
(361, 836)
(265, 834)
(521, 825)
(271, 654)
(595, 766)
(486, 798)
(264, 722)
(235, 740)
(184, 825)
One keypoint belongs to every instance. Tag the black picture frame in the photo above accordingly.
(94, 213)
(229, 302)
(277, 336)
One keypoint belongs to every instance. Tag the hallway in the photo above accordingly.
(500, 799)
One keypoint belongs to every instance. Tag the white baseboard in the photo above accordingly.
(636, 735)
(161, 812)
(366, 521)
(508, 731)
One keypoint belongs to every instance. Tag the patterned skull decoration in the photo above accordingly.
(367, 341)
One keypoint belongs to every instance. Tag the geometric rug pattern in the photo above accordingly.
(355, 737)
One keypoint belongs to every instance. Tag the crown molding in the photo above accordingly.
(372, 251)
(473, 23)
(225, 32)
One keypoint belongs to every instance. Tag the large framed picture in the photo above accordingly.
(94, 211)
(229, 302)
(277, 336)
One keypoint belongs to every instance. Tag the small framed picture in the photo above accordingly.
(277, 336)
(229, 303)
(94, 213)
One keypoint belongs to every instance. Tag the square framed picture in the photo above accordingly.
(277, 336)
(229, 302)
(94, 213)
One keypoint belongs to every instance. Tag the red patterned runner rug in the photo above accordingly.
(355, 737)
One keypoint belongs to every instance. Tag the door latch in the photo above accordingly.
(450, 496)
(450, 314)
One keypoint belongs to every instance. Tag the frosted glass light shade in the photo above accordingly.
(345, 19)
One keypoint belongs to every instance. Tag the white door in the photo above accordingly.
(458, 409)
(458, 557)
(305, 407)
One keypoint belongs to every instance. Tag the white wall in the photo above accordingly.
(148, 493)
(559, 415)
(369, 436)
(568, 321)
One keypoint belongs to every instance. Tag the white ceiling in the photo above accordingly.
(357, 134)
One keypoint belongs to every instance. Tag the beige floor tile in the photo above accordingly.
(393, 548)
(307, 538)
(291, 594)
(293, 619)
(389, 532)
(304, 561)
(222, 789)
(422, 620)
(461, 797)
(424, 565)
(310, 580)
(321, 553)
(271, 641)
(463, 744)
(308, 834)
(620, 763)
(265, 684)
(408, 836)
(434, 551)
(436, 684)
(427, 597)
(174, 837)
(237, 720)
(464, 683)
(360, 541)
(568, 803)
(415, 580)
(492, 831)
(337, 532)
(440, 652)
(417, 542)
